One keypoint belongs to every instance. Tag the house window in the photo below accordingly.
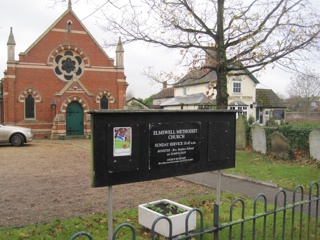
(242, 110)
(29, 106)
(184, 90)
(278, 114)
(236, 86)
(104, 103)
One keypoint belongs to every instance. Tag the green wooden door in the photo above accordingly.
(74, 119)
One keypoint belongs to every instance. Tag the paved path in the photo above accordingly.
(248, 187)
(234, 184)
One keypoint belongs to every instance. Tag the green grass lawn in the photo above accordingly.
(287, 174)
(97, 225)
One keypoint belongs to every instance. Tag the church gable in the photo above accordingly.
(65, 32)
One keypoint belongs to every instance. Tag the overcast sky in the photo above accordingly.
(29, 19)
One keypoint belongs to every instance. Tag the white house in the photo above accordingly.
(192, 91)
(269, 106)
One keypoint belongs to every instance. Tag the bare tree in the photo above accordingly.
(304, 89)
(164, 78)
(236, 35)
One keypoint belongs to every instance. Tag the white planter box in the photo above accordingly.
(147, 217)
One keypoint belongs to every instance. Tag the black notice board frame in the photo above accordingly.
(134, 146)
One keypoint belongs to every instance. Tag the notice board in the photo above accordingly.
(134, 146)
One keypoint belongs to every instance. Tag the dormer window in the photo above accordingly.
(236, 86)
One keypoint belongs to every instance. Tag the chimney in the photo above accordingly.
(211, 56)
(164, 84)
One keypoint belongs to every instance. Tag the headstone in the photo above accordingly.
(259, 141)
(279, 146)
(314, 143)
(241, 140)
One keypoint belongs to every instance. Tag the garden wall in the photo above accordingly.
(302, 116)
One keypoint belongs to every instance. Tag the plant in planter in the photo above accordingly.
(176, 212)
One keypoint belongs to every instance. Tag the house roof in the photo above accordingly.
(193, 99)
(134, 103)
(251, 76)
(200, 76)
(165, 93)
(237, 103)
(267, 98)
(197, 77)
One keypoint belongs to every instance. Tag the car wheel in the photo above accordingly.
(17, 140)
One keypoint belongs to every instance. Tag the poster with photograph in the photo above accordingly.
(122, 140)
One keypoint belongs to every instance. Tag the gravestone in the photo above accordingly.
(241, 140)
(279, 146)
(314, 143)
(259, 142)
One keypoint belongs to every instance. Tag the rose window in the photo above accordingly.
(67, 65)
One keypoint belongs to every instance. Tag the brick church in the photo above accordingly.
(62, 76)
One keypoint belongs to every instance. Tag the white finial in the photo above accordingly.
(69, 4)
(11, 47)
(119, 54)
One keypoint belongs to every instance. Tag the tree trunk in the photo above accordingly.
(222, 91)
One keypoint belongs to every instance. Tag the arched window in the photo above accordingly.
(29, 106)
(104, 103)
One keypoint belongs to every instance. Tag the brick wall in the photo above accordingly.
(302, 116)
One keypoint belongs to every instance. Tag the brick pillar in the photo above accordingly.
(9, 96)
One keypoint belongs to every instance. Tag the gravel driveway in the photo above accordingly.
(50, 179)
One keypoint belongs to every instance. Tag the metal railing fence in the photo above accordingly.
(296, 220)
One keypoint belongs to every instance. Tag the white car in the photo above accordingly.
(17, 136)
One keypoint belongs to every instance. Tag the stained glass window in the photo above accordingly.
(104, 103)
(29, 106)
(68, 64)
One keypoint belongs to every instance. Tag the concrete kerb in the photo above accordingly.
(268, 184)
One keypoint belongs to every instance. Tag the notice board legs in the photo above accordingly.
(218, 187)
(110, 215)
